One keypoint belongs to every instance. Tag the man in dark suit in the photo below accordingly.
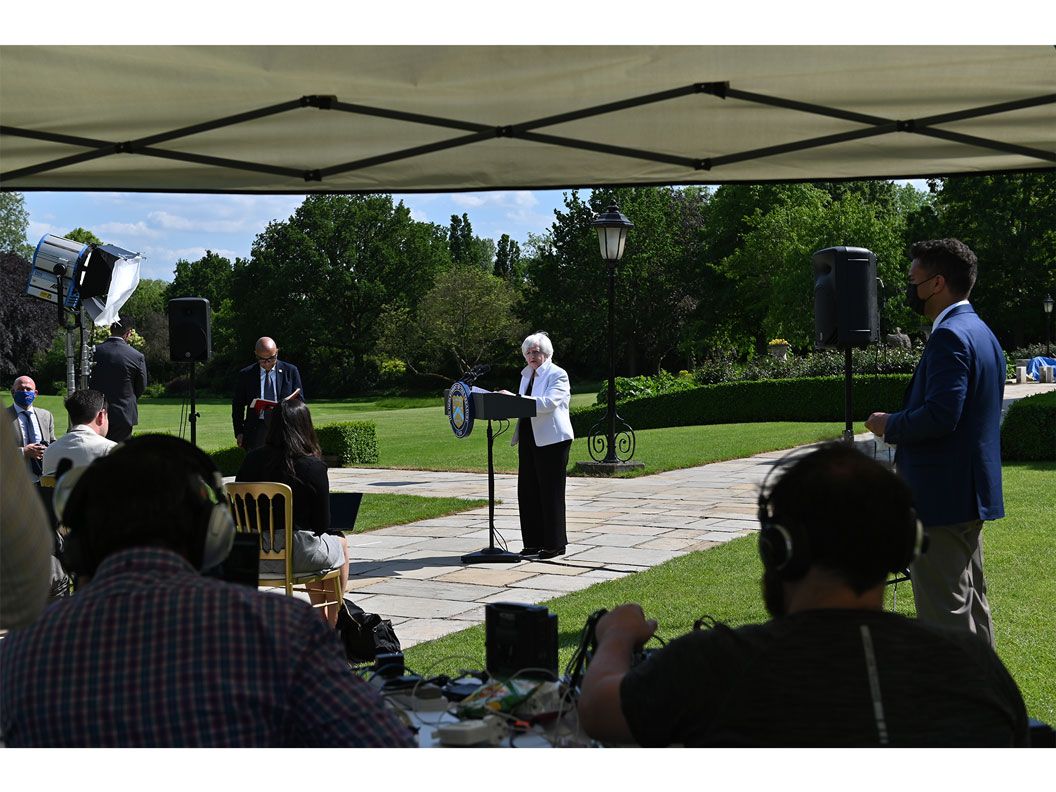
(120, 373)
(270, 379)
(34, 426)
(948, 439)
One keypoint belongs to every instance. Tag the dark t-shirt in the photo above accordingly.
(311, 488)
(825, 678)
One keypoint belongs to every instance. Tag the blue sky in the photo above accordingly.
(168, 227)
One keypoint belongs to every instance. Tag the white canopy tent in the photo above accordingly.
(297, 119)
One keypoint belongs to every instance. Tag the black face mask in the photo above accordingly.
(913, 300)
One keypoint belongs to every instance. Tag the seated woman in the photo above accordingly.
(291, 455)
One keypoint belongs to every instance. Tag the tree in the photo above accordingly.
(771, 269)
(84, 236)
(507, 259)
(1009, 220)
(566, 281)
(208, 277)
(466, 318)
(466, 249)
(14, 220)
(28, 323)
(318, 282)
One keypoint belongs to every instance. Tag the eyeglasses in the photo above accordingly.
(531, 352)
(266, 359)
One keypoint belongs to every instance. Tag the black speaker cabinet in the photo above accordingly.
(845, 312)
(520, 639)
(190, 334)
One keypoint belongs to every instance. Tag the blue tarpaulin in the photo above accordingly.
(1035, 364)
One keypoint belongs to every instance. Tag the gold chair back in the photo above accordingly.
(256, 506)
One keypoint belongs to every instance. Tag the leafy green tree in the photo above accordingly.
(466, 249)
(14, 220)
(1009, 220)
(84, 236)
(468, 317)
(208, 277)
(318, 282)
(772, 267)
(566, 280)
(507, 259)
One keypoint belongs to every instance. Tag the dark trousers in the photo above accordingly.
(541, 490)
(118, 432)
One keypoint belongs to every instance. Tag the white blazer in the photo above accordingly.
(552, 395)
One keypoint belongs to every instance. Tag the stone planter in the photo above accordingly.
(779, 351)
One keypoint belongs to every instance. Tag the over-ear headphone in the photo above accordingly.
(785, 546)
(212, 529)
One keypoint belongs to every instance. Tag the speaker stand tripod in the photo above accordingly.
(848, 429)
(193, 417)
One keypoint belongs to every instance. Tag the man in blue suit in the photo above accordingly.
(947, 437)
(270, 379)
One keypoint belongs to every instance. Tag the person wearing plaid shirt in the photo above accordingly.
(151, 653)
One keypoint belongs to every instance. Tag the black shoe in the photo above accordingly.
(551, 552)
(530, 551)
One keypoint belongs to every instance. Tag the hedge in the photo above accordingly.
(349, 443)
(1029, 429)
(807, 399)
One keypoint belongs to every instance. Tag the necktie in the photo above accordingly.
(30, 430)
(269, 386)
(531, 382)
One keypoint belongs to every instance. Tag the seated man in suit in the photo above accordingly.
(34, 426)
(270, 379)
(120, 372)
(86, 439)
(831, 668)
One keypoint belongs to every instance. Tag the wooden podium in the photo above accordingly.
(495, 407)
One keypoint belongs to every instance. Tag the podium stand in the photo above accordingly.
(496, 407)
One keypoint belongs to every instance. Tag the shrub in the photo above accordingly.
(154, 390)
(1029, 429)
(229, 460)
(807, 399)
(637, 387)
(873, 360)
(351, 443)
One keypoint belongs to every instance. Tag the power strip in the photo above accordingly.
(472, 732)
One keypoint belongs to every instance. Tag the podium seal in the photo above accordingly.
(461, 409)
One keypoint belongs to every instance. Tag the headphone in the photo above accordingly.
(212, 528)
(784, 543)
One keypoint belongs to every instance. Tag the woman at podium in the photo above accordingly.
(542, 450)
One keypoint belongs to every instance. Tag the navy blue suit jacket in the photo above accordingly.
(948, 433)
(247, 388)
(120, 372)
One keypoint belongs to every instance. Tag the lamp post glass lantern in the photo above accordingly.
(606, 445)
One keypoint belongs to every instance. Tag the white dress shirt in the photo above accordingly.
(80, 445)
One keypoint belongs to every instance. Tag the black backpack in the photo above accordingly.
(364, 635)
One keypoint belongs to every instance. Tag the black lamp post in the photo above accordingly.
(611, 450)
(1047, 304)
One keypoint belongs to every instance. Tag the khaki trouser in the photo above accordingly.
(948, 583)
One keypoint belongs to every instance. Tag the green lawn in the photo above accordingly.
(380, 510)
(416, 436)
(724, 583)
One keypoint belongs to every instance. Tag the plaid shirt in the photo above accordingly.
(152, 654)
